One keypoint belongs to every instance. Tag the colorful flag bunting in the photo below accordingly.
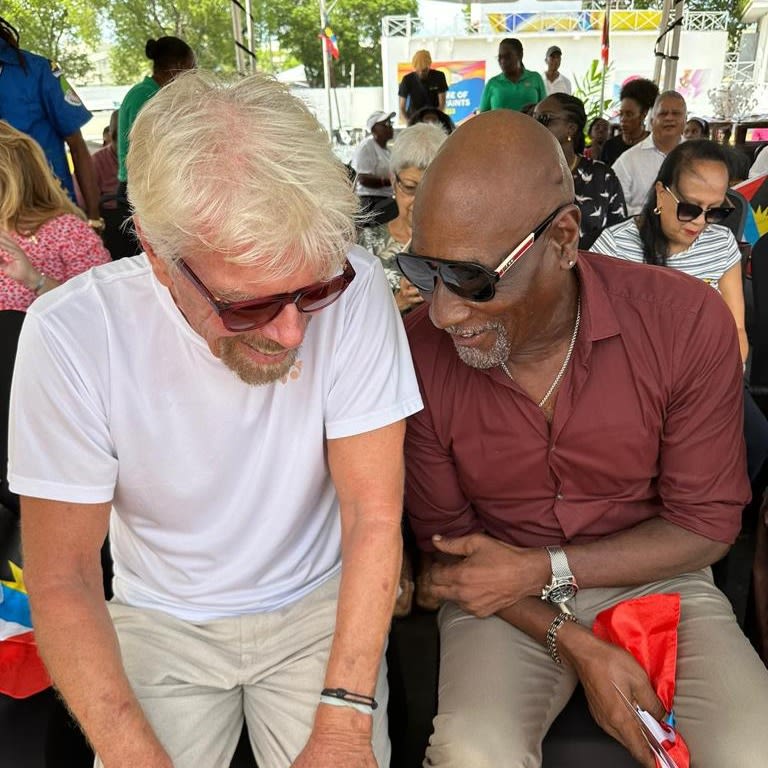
(330, 42)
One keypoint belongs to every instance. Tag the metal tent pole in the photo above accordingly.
(670, 70)
(660, 56)
(326, 69)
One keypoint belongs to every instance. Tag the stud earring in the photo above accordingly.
(571, 262)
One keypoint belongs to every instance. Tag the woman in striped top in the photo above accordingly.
(678, 226)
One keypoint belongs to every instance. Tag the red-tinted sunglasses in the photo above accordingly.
(239, 316)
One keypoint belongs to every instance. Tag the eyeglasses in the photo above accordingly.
(691, 211)
(465, 278)
(409, 190)
(239, 316)
(545, 118)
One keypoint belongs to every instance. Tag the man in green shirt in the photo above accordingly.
(516, 86)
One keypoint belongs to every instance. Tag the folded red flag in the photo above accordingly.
(647, 628)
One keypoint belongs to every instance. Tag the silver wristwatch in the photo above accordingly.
(563, 585)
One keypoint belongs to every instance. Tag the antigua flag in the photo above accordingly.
(330, 42)
(22, 673)
(756, 191)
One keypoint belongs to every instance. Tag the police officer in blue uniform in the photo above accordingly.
(36, 99)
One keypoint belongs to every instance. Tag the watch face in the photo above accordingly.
(560, 593)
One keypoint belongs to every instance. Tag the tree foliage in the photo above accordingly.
(61, 30)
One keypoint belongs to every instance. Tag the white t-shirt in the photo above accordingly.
(373, 159)
(222, 499)
(561, 84)
(710, 256)
(637, 169)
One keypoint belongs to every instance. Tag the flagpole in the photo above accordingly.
(326, 69)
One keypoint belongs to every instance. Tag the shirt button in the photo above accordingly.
(559, 497)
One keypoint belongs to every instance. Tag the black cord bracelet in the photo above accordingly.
(354, 698)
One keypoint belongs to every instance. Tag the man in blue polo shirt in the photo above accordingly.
(516, 86)
(35, 98)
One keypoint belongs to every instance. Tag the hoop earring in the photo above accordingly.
(657, 210)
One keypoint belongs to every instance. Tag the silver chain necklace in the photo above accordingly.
(567, 360)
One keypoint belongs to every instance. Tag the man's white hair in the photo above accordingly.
(242, 170)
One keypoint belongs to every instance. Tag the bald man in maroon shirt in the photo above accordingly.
(581, 444)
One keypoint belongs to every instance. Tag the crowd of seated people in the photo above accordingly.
(654, 197)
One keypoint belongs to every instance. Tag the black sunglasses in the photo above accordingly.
(691, 211)
(465, 278)
(545, 118)
(240, 316)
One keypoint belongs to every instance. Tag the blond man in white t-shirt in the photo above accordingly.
(230, 404)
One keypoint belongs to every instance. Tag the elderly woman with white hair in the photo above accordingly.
(413, 150)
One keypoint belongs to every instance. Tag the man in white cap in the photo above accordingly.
(554, 80)
(371, 163)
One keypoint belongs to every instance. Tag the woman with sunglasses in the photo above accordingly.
(412, 152)
(678, 225)
(598, 191)
(678, 228)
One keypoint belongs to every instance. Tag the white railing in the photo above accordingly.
(552, 21)
(737, 70)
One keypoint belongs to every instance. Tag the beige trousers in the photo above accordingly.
(197, 682)
(500, 692)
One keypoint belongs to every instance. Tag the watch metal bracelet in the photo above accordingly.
(560, 567)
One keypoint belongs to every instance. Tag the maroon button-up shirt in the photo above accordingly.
(647, 422)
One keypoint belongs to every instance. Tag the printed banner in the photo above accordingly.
(465, 85)
(576, 21)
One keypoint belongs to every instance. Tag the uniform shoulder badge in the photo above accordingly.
(69, 92)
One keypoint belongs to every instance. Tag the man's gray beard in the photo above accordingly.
(477, 358)
(235, 358)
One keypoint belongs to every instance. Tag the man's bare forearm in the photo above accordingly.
(79, 647)
(371, 560)
(652, 550)
(74, 632)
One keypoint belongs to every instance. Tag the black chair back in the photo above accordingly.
(10, 328)
(758, 375)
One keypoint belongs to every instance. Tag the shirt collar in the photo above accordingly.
(600, 321)
(8, 54)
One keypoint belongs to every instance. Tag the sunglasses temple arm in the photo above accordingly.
(515, 255)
